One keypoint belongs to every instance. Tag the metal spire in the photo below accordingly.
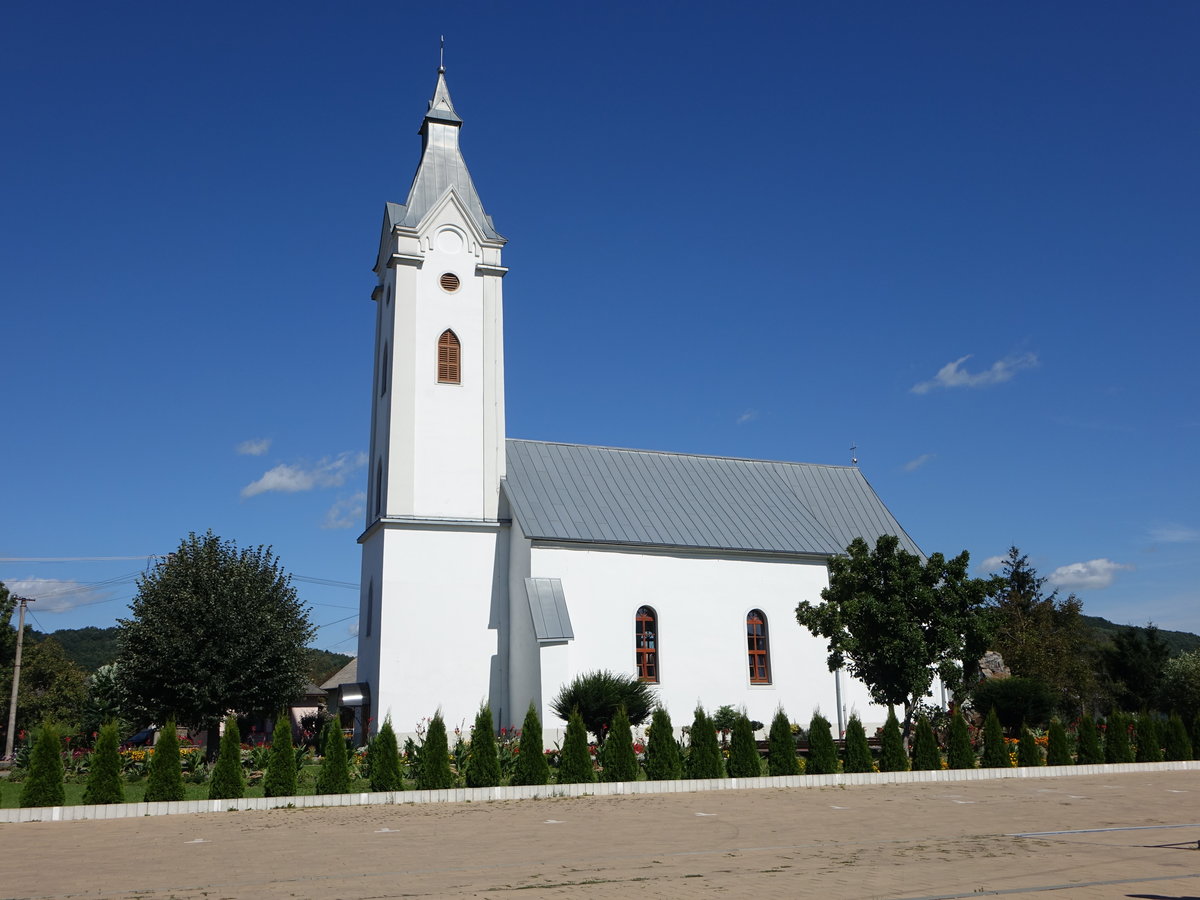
(442, 56)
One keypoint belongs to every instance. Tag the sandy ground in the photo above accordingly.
(1121, 836)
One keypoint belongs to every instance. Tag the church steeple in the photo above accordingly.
(442, 166)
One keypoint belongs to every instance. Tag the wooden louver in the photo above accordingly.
(449, 353)
(449, 282)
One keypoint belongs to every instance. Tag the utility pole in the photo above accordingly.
(12, 704)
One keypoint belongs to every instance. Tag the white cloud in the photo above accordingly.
(256, 447)
(352, 630)
(1094, 574)
(913, 464)
(991, 564)
(951, 375)
(748, 416)
(54, 595)
(346, 512)
(1175, 534)
(289, 479)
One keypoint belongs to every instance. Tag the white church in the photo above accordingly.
(496, 569)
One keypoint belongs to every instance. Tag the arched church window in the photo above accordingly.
(758, 648)
(383, 372)
(449, 356)
(646, 644)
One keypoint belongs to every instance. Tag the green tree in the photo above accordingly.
(1040, 635)
(892, 757)
(280, 780)
(894, 620)
(664, 762)
(995, 751)
(858, 751)
(1028, 752)
(781, 747)
(104, 775)
(1149, 741)
(704, 753)
(434, 773)
(483, 756)
(385, 759)
(1177, 745)
(1181, 685)
(744, 761)
(925, 754)
(214, 628)
(1088, 751)
(1116, 739)
(333, 777)
(228, 781)
(531, 766)
(105, 700)
(822, 753)
(1058, 750)
(166, 772)
(52, 687)
(620, 761)
(1136, 664)
(575, 764)
(961, 754)
(597, 695)
(44, 784)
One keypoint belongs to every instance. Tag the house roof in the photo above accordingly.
(347, 674)
(574, 492)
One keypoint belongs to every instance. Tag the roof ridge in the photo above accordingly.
(781, 462)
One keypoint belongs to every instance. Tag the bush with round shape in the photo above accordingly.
(596, 697)
(434, 772)
(1058, 748)
(104, 775)
(961, 754)
(228, 781)
(575, 764)
(531, 766)
(822, 752)
(704, 753)
(664, 762)
(858, 751)
(620, 760)
(1028, 752)
(891, 746)
(166, 770)
(44, 784)
(995, 751)
(781, 747)
(483, 755)
(744, 761)
(1088, 751)
(925, 754)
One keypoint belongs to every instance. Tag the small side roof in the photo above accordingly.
(575, 492)
(347, 674)
(548, 607)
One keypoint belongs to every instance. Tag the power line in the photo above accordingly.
(53, 559)
(337, 621)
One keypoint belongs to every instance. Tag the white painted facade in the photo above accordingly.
(445, 618)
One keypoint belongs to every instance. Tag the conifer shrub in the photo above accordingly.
(1088, 751)
(1176, 743)
(228, 781)
(1028, 752)
(781, 747)
(744, 761)
(961, 755)
(664, 762)
(385, 759)
(44, 784)
(280, 779)
(822, 752)
(531, 766)
(925, 754)
(483, 755)
(1149, 739)
(995, 751)
(620, 761)
(1196, 736)
(575, 763)
(166, 771)
(704, 753)
(891, 747)
(333, 776)
(1116, 739)
(434, 773)
(858, 751)
(1058, 748)
(104, 773)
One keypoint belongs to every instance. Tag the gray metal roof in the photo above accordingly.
(442, 167)
(572, 492)
(548, 606)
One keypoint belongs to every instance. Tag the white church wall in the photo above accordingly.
(701, 602)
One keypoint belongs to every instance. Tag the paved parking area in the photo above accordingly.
(1129, 836)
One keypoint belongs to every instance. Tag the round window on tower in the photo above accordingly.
(449, 282)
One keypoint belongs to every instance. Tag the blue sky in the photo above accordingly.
(961, 236)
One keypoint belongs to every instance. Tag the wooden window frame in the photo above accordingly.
(758, 647)
(449, 358)
(645, 644)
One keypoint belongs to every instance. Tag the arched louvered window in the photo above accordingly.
(646, 644)
(449, 355)
(758, 648)
(370, 612)
(378, 488)
(383, 372)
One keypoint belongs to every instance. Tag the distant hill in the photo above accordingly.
(1177, 641)
(91, 647)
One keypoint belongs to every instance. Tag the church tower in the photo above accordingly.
(430, 566)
